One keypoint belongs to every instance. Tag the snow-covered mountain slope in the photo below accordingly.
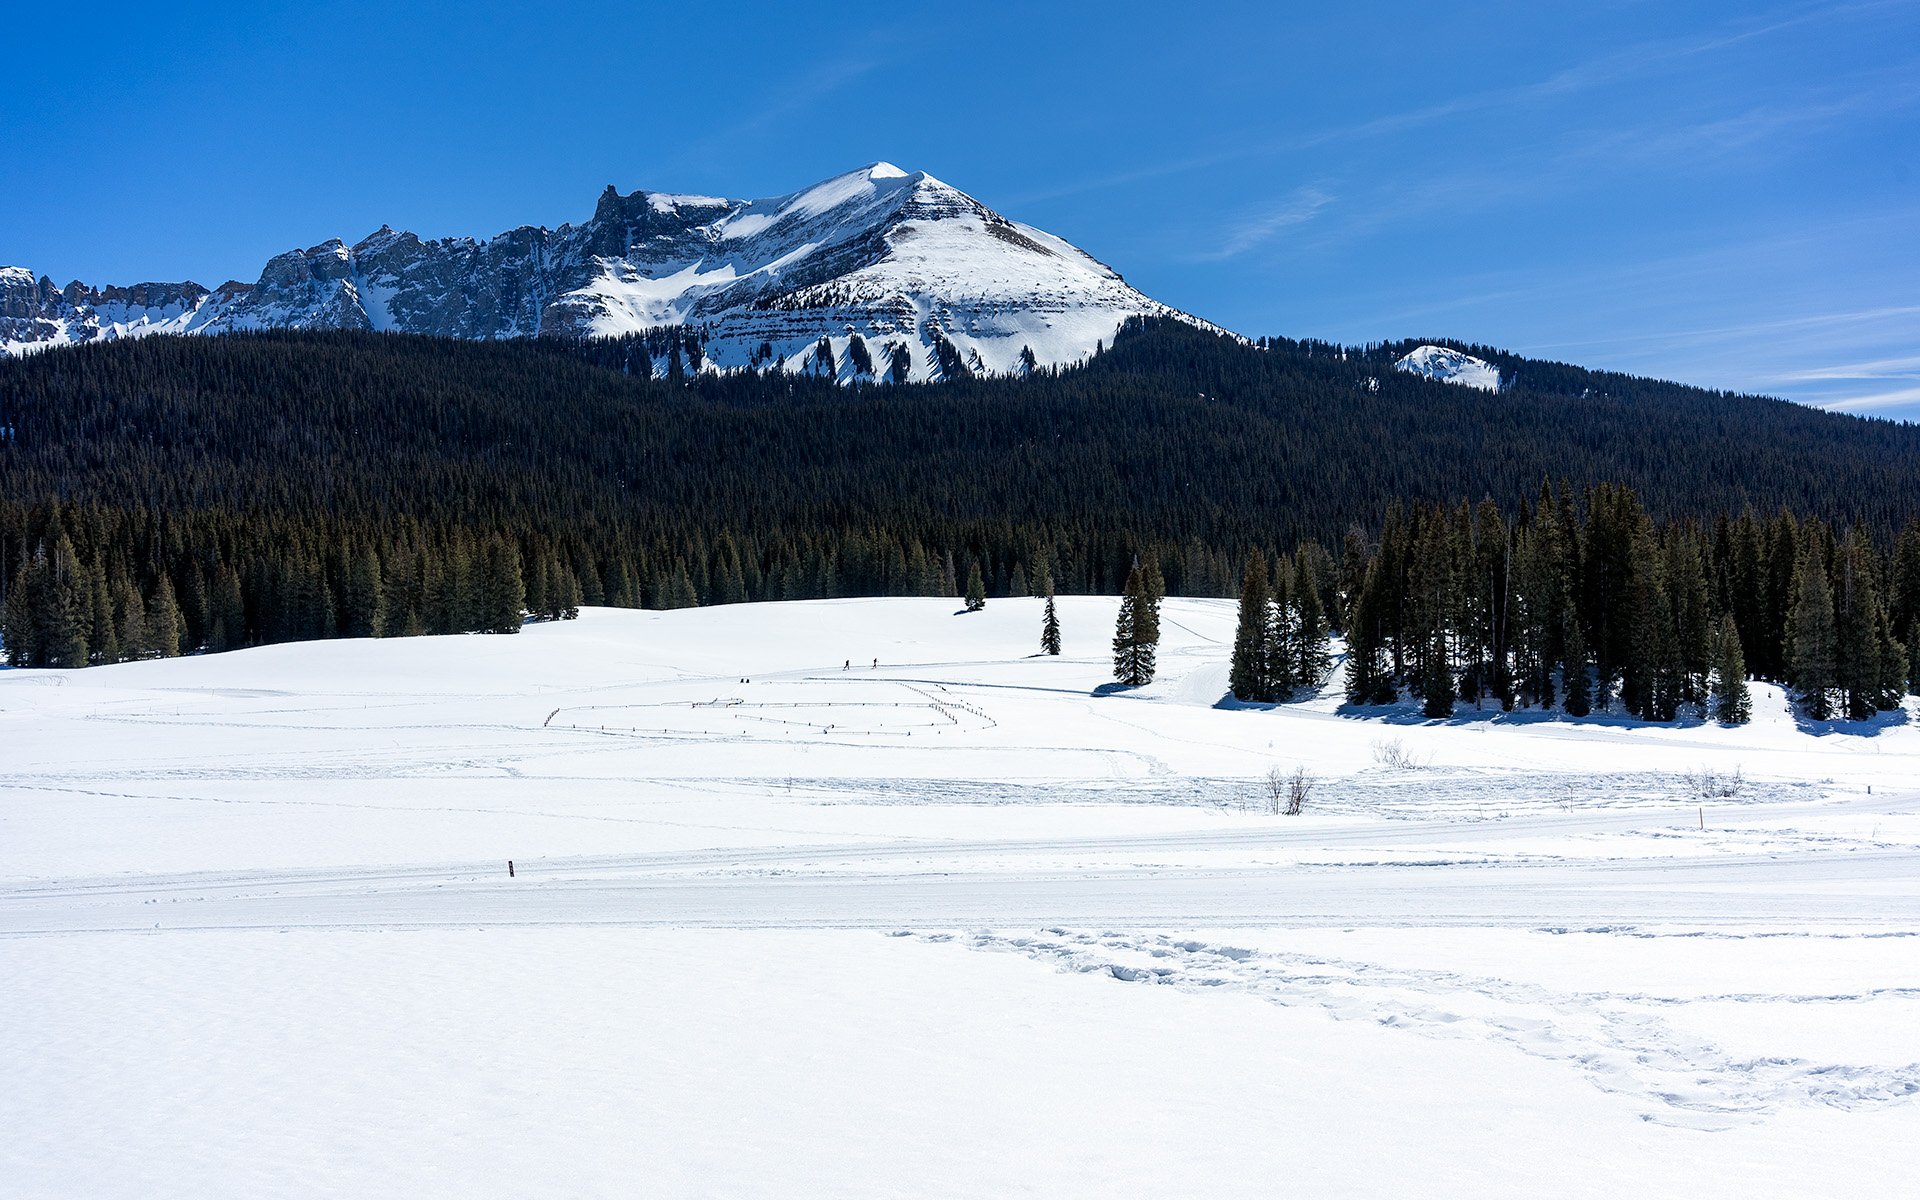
(901, 261)
(1451, 366)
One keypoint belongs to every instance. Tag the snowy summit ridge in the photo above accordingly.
(1451, 366)
(897, 258)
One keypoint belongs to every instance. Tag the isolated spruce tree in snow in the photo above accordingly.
(1050, 629)
(1136, 630)
(1731, 704)
(976, 588)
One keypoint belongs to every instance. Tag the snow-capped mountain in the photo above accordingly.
(1451, 366)
(899, 260)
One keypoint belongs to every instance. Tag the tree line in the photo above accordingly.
(1590, 603)
(1579, 602)
(85, 584)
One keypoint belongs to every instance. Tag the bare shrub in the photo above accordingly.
(1299, 787)
(1394, 756)
(1276, 790)
(1709, 784)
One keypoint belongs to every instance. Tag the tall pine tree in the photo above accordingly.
(1135, 632)
(1810, 637)
(1246, 677)
(1731, 703)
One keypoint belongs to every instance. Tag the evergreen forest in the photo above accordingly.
(172, 495)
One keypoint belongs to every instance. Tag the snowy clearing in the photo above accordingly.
(966, 922)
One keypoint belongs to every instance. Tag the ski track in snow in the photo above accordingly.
(1612, 1039)
(717, 769)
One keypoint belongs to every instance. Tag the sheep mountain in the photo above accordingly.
(932, 283)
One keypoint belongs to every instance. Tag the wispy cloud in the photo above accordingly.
(1614, 67)
(1801, 323)
(1903, 398)
(1885, 368)
(1297, 209)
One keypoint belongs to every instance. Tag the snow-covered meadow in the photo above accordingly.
(863, 897)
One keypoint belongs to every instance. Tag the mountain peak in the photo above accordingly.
(898, 273)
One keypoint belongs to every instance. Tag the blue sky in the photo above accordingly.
(1722, 194)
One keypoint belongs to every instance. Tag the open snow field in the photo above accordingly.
(965, 923)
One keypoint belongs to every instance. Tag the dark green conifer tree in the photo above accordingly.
(1280, 672)
(503, 590)
(1147, 615)
(1868, 660)
(366, 599)
(1135, 632)
(103, 641)
(1746, 584)
(1782, 596)
(680, 593)
(130, 620)
(1369, 671)
(1311, 660)
(1810, 637)
(163, 619)
(1693, 624)
(66, 607)
(1904, 608)
(1731, 703)
(227, 611)
(18, 627)
(1433, 605)
(1246, 676)
(976, 588)
(1574, 678)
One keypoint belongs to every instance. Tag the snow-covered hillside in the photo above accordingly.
(864, 897)
(1451, 366)
(896, 259)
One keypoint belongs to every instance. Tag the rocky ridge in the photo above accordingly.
(896, 271)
